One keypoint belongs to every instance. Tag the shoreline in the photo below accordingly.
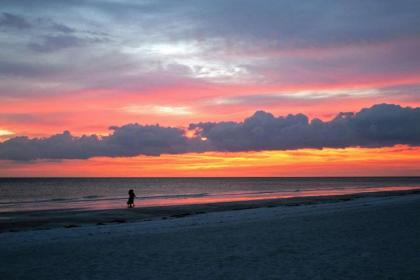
(71, 218)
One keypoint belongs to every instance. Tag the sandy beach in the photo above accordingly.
(75, 217)
(366, 237)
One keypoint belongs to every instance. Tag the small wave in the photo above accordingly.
(37, 201)
(92, 196)
(55, 199)
(174, 196)
(254, 192)
(89, 198)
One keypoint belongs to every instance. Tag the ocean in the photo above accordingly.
(22, 194)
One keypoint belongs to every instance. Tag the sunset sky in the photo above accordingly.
(209, 88)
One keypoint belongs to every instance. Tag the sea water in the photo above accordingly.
(20, 194)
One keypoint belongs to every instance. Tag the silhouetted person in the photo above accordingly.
(131, 196)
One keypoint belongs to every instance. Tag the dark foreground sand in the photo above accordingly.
(372, 237)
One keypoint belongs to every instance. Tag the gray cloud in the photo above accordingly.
(22, 69)
(58, 42)
(313, 23)
(317, 22)
(310, 97)
(127, 140)
(62, 28)
(377, 126)
(267, 40)
(13, 21)
(380, 125)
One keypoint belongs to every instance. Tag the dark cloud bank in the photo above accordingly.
(377, 126)
(13, 21)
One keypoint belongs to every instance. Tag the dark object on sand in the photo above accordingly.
(119, 221)
(71, 226)
(131, 196)
(180, 215)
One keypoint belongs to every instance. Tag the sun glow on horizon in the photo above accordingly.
(400, 160)
(5, 132)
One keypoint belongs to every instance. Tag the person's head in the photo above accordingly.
(130, 192)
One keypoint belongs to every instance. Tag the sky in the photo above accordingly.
(209, 88)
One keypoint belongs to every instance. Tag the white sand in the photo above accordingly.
(366, 238)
